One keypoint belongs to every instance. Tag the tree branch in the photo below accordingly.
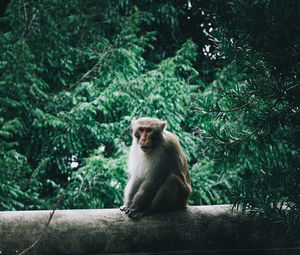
(26, 31)
(25, 12)
(231, 110)
(257, 129)
(244, 138)
(99, 63)
(45, 229)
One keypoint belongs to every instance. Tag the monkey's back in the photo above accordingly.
(175, 152)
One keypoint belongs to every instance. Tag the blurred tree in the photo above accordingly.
(253, 106)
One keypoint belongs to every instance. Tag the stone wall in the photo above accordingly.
(197, 230)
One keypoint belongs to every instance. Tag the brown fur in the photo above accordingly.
(159, 176)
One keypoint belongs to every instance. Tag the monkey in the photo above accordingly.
(159, 177)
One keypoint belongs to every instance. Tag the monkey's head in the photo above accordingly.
(148, 132)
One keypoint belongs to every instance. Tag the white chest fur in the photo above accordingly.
(141, 165)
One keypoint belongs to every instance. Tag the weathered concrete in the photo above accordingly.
(197, 230)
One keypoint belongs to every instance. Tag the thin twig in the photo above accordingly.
(257, 129)
(224, 111)
(25, 12)
(45, 229)
(294, 86)
(244, 138)
(30, 23)
(125, 131)
(233, 109)
(33, 18)
(99, 63)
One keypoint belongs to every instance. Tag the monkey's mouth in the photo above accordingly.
(145, 148)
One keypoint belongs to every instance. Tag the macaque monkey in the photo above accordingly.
(159, 177)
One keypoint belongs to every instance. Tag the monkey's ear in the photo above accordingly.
(132, 123)
(163, 125)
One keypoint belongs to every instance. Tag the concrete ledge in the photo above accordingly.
(197, 230)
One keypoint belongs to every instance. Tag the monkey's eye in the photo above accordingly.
(148, 130)
(141, 130)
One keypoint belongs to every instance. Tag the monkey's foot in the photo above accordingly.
(124, 208)
(134, 215)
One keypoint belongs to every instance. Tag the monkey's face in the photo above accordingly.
(144, 135)
(148, 132)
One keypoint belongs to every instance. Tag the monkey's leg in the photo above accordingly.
(142, 200)
(130, 191)
(172, 195)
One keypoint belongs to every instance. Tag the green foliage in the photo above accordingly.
(73, 76)
(210, 184)
(99, 183)
(253, 107)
